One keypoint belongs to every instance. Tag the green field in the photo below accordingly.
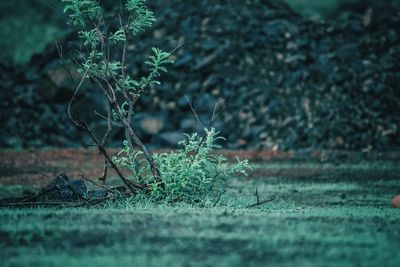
(323, 215)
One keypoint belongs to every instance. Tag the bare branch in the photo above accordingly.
(103, 177)
(214, 114)
(109, 127)
(257, 196)
(194, 112)
(260, 203)
(104, 117)
(178, 47)
(93, 182)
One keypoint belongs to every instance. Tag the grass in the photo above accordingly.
(323, 215)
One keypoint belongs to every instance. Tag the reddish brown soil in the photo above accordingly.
(37, 167)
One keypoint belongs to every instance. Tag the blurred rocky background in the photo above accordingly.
(292, 75)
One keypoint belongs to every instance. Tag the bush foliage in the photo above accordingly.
(192, 174)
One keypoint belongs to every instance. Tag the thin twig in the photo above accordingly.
(103, 176)
(45, 175)
(109, 126)
(93, 182)
(104, 117)
(219, 198)
(194, 112)
(178, 47)
(257, 196)
(258, 200)
(36, 196)
(213, 116)
(260, 203)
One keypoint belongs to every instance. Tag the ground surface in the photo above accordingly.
(324, 214)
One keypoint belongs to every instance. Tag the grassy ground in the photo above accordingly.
(323, 215)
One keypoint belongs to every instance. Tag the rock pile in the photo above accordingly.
(286, 82)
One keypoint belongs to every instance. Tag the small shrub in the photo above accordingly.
(191, 174)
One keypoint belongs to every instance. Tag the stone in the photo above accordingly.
(61, 188)
(55, 83)
(263, 61)
(211, 81)
(151, 125)
(396, 202)
(183, 60)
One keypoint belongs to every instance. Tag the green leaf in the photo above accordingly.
(118, 36)
(141, 17)
(82, 12)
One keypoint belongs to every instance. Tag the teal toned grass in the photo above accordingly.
(340, 216)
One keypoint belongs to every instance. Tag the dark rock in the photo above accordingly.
(98, 193)
(55, 83)
(62, 188)
(348, 51)
(183, 60)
